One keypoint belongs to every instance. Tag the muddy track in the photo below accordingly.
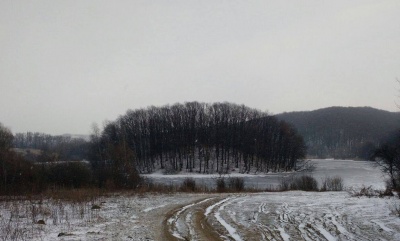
(208, 219)
(207, 232)
(188, 222)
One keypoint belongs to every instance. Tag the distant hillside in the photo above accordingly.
(343, 132)
(76, 136)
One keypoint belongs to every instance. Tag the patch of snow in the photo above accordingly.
(231, 230)
(210, 208)
(339, 227)
(152, 208)
(284, 235)
(382, 226)
(325, 233)
(173, 221)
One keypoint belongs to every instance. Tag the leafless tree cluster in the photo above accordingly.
(20, 174)
(38, 140)
(197, 137)
(14, 171)
(52, 148)
(388, 158)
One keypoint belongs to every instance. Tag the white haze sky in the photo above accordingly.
(67, 64)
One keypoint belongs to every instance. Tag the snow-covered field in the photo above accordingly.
(294, 215)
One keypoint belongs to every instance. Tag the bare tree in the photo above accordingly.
(209, 137)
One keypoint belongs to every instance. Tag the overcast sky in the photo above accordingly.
(67, 64)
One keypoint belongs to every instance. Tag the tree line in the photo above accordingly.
(199, 137)
(51, 147)
(195, 137)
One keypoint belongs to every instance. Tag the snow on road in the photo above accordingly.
(152, 208)
(210, 208)
(231, 230)
(178, 229)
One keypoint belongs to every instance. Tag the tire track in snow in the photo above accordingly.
(304, 232)
(325, 233)
(285, 219)
(231, 230)
(382, 226)
(153, 208)
(217, 214)
(262, 225)
(312, 223)
(267, 232)
(210, 208)
(272, 217)
(340, 229)
(175, 228)
(261, 210)
(293, 225)
(284, 213)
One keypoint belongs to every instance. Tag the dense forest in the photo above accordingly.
(343, 132)
(199, 137)
(191, 137)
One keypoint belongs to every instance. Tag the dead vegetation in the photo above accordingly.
(309, 183)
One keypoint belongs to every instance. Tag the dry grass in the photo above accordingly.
(236, 184)
(26, 217)
(188, 185)
(370, 192)
(75, 195)
(332, 184)
(304, 183)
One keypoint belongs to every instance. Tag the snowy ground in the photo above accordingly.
(282, 216)
(308, 216)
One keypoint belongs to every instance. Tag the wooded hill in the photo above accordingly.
(199, 137)
(343, 132)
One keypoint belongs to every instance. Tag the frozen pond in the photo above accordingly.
(354, 174)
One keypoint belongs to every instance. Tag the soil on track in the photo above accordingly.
(200, 228)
